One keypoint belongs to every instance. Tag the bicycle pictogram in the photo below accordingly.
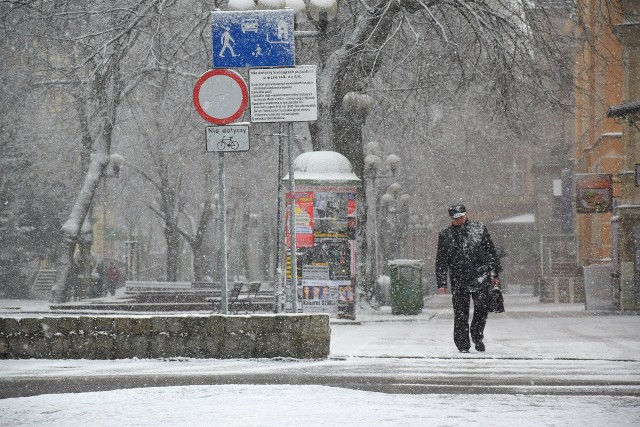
(228, 142)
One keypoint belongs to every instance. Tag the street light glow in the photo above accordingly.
(271, 4)
(386, 199)
(393, 161)
(328, 8)
(372, 163)
(241, 5)
(361, 103)
(372, 147)
(298, 6)
(394, 188)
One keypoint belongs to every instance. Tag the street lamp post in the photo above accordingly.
(397, 206)
(112, 171)
(376, 169)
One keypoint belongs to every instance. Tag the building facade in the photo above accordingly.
(607, 80)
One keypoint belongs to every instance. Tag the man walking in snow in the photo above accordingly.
(466, 252)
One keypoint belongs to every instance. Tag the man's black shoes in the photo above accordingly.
(479, 347)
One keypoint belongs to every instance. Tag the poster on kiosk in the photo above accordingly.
(325, 245)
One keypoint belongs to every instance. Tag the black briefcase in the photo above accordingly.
(496, 302)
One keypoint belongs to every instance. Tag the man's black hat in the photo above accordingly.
(456, 211)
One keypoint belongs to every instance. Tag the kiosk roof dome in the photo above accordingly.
(323, 166)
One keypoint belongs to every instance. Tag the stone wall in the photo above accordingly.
(214, 336)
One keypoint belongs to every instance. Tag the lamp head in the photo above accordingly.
(323, 12)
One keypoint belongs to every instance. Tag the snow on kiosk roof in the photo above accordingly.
(323, 167)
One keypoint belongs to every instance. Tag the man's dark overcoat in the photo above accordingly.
(468, 254)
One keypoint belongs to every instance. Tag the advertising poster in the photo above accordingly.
(320, 296)
(304, 219)
(334, 215)
(326, 257)
(593, 193)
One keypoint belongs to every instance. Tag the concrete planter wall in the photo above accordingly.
(214, 336)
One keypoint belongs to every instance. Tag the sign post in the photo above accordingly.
(220, 97)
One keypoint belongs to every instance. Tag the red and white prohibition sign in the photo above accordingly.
(220, 96)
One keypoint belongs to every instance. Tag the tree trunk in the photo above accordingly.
(172, 238)
(198, 264)
(84, 257)
(71, 228)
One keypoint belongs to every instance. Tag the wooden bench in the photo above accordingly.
(173, 292)
(137, 287)
(242, 296)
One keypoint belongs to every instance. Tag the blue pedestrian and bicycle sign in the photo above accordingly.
(263, 38)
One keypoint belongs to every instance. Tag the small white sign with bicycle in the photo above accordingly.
(228, 138)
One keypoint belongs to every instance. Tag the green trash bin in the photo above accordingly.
(406, 286)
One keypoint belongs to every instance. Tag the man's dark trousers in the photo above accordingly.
(461, 301)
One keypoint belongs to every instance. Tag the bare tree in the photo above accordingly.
(83, 49)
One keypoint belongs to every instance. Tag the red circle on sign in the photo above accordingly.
(217, 82)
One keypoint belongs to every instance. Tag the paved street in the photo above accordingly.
(533, 348)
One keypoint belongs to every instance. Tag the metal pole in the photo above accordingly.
(224, 303)
(104, 220)
(292, 224)
(277, 271)
(375, 230)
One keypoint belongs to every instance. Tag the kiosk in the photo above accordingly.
(325, 213)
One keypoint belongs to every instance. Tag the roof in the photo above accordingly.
(322, 167)
(628, 111)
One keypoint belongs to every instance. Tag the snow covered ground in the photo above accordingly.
(311, 405)
(545, 365)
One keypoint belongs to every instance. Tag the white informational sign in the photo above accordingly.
(228, 138)
(283, 94)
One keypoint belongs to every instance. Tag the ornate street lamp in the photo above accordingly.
(358, 103)
(322, 12)
(376, 168)
(398, 206)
